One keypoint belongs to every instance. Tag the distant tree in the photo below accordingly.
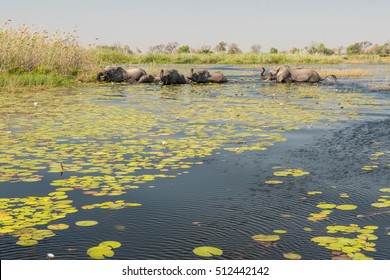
(126, 49)
(354, 49)
(320, 49)
(220, 47)
(184, 49)
(384, 50)
(233, 49)
(295, 50)
(157, 48)
(171, 47)
(255, 48)
(205, 49)
(273, 50)
(138, 50)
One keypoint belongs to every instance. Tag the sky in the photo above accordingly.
(271, 23)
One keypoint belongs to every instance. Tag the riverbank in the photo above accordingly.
(31, 59)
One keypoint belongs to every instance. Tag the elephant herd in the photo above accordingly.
(280, 74)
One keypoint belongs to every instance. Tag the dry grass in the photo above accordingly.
(25, 50)
(345, 73)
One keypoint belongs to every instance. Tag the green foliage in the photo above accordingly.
(184, 49)
(320, 49)
(273, 50)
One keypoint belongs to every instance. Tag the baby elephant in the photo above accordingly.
(172, 77)
(203, 76)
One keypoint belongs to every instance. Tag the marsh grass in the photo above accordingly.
(346, 73)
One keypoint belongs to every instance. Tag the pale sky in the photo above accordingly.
(271, 23)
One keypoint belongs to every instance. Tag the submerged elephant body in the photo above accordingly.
(172, 77)
(286, 74)
(203, 76)
(117, 74)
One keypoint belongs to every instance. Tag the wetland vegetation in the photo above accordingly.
(243, 170)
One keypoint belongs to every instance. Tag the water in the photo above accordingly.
(203, 145)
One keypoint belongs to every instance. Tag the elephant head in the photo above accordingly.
(112, 74)
(200, 76)
(171, 77)
(279, 73)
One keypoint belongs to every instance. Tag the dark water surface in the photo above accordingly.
(223, 200)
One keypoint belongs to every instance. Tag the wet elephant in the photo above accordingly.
(172, 77)
(286, 74)
(204, 76)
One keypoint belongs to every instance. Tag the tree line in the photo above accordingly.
(364, 47)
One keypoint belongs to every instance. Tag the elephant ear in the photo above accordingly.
(282, 74)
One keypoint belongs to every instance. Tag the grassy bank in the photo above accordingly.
(39, 59)
(114, 57)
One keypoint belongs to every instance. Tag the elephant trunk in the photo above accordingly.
(99, 76)
(265, 78)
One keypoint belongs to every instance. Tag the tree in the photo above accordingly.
(354, 49)
(157, 48)
(233, 49)
(273, 50)
(320, 49)
(220, 47)
(184, 49)
(138, 50)
(205, 49)
(171, 47)
(294, 50)
(255, 48)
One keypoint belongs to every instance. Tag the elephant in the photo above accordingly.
(172, 77)
(286, 74)
(117, 74)
(203, 76)
(146, 79)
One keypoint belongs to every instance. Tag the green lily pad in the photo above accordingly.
(58, 226)
(292, 256)
(27, 242)
(207, 251)
(265, 238)
(86, 223)
(100, 252)
(346, 207)
(112, 244)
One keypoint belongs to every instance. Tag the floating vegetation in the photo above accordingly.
(280, 231)
(207, 251)
(323, 215)
(291, 172)
(292, 256)
(346, 207)
(352, 247)
(58, 226)
(118, 204)
(92, 143)
(265, 238)
(86, 223)
(314, 193)
(103, 250)
(273, 182)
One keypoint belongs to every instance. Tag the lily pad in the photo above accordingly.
(273, 182)
(265, 238)
(100, 252)
(58, 226)
(112, 244)
(86, 223)
(207, 251)
(346, 207)
(292, 256)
